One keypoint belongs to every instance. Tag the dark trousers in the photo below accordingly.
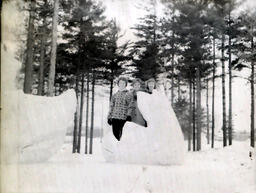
(117, 128)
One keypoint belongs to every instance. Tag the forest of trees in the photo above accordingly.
(71, 44)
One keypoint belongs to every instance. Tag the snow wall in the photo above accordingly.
(33, 127)
(161, 143)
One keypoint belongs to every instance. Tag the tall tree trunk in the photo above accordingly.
(252, 96)
(81, 115)
(190, 116)
(29, 55)
(54, 48)
(92, 113)
(173, 36)
(230, 89)
(87, 112)
(75, 119)
(75, 133)
(42, 57)
(172, 79)
(194, 116)
(213, 95)
(223, 92)
(198, 109)
(207, 111)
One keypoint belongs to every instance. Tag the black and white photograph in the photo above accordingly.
(128, 96)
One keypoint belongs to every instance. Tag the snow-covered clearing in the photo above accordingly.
(219, 170)
(228, 170)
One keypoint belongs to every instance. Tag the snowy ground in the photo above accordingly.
(228, 170)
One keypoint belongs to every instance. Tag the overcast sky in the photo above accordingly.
(127, 12)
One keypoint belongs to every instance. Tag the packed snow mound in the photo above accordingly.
(44, 122)
(202, 172)
(33, 127)
(161, 143)
(39, 125)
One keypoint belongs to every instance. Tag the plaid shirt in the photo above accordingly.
(119, 105)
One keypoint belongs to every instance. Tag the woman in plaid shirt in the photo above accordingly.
(119, 103)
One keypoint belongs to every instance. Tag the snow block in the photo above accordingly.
(33, 127)
(40, 125)
(161, 143)
(43, 124)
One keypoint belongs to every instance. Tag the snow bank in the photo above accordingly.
(33, 127)
(224, 170)
(43, 122)
(160, 143)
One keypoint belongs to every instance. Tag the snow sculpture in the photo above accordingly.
(161, 143)
(33, 127)
(43, 124)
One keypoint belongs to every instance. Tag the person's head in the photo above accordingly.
(151, 84)
(122, 83)
(167, 84)
(137, 84)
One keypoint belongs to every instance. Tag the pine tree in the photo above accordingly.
(194, 117)
(45, 14)
(29, 51)
(89, 37)
(87, 111)
(92, 113)
(170, 43)
(232, 34)
(84, 23)
(221, 10)
(83, 40)
(224, 128)
(51, 77)
(146, 50)
(114, 55)
(194, 38)
(81, 114)
(35, 59)
(230, 78)
(74, 150)
(213, 22)
(213, 94)
(207, 106)
(190, 118)
(224, 10)
(246, 59)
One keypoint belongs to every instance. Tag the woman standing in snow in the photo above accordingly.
(117, 115)
(161, 142)
(134, 113)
